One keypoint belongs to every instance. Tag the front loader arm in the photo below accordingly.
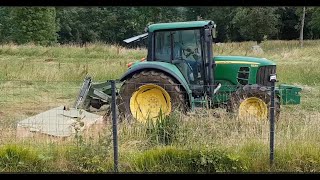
(95, 94)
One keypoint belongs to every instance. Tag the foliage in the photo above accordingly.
(164, 129)
(255, 23)
(289, 23)
(90, 155)
(34, 24)
(216, 161)
(5, 25)
(82, 25)
(173, 159)
(315, 23)
(17, 158)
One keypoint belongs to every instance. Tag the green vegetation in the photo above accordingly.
(36, 25)
(81, 25)
(15, 158)
(35, 78)
(250, 18)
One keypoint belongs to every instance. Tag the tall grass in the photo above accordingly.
(34, 79)
(72, 63)
(65, 63)
(202, 144)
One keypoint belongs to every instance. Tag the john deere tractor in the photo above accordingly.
(181, 72)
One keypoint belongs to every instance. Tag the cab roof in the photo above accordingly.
(179, 25)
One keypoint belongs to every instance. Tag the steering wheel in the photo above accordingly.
(188, 51)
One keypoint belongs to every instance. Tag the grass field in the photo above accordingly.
(34, 79)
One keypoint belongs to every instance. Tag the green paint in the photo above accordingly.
(228, 66)
(289, 94)
(178, 25)
(170, 67)
(230, 71)
(161, 66)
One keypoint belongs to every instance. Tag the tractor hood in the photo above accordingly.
(243, 60)
(228, 68)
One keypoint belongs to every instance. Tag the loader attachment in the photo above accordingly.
(99, 94)
(83, 92)
(289, 94)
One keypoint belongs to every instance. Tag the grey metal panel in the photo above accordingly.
(57, 121)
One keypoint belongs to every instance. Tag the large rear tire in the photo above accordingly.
(253, 101)
(147, 93)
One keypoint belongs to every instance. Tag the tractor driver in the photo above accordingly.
(186, 48)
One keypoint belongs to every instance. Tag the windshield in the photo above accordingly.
(185, 52)
(186, 45)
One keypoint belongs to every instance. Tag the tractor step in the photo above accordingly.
(200, 103)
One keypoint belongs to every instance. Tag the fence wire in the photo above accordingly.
(41, 113)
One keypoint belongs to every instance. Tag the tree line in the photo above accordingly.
(80, 25)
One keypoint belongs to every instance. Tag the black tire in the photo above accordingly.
(255, 90)
(107, 117)
(176, 92)
(90, 102)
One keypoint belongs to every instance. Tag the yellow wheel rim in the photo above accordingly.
(253, 107)
(148, 101)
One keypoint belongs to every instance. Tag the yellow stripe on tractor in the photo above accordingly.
(236, 62)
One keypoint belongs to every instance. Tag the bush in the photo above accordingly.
(171, 159)
(14, 158)
(164, 129)
(91, 155)
(215, 161)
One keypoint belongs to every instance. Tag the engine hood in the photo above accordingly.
(243, 60)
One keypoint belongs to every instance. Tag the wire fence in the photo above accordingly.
(43, 113)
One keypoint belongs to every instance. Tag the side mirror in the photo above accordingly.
(214, 35)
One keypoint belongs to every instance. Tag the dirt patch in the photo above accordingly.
(30, 113)
(2, 115)
(49, 60)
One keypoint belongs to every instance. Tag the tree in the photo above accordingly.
(314, 23)
(221, 16)
(255, 23)
(289, 19)
(34, 24)
(5, 25)
(80, 25)
(302, 26)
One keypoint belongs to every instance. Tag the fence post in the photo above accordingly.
(114, 126)
(273, 79)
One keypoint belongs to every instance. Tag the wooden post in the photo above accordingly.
(302, 25)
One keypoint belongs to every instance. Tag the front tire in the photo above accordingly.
(253, 101)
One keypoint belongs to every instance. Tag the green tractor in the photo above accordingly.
(182, 73)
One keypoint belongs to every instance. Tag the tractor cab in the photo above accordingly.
(189, 47)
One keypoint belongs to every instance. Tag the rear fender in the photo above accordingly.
(167, 68)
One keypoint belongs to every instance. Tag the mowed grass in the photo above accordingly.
(34, 79)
